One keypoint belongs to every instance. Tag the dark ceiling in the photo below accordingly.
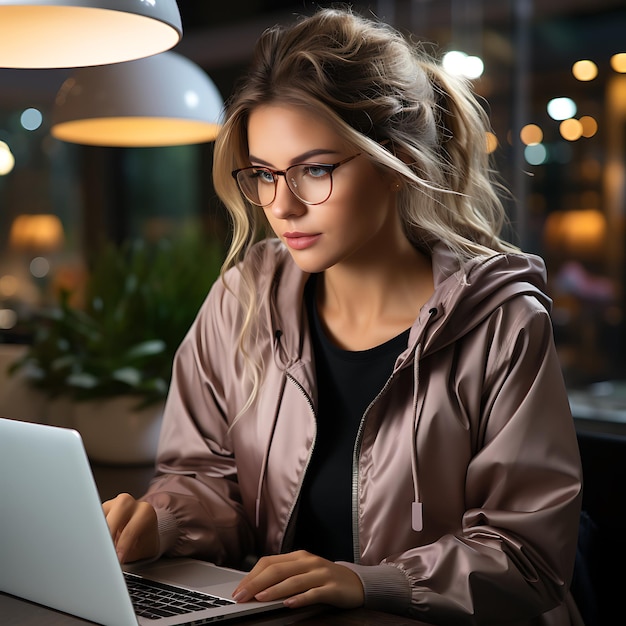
(219, 36)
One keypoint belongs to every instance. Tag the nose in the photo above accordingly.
(285, 203)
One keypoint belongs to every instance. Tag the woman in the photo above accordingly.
(370, 400)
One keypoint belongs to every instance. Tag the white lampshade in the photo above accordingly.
(162, 100)
(77, 33)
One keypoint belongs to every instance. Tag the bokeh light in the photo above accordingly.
(618, 62)
(39, 267)
(461, 64)
(7, 160)
(31, 119)
(571, 129)
(536, 154)
(585, 70)
(492, 142)
(590, 126)
(531, 134)
(561, 108)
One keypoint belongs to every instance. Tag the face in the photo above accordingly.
(358, 219)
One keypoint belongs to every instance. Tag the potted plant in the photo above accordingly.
(113, 355)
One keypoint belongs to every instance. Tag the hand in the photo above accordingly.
(133, 526)
(303, 579)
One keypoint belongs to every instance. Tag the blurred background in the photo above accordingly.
(553, 78)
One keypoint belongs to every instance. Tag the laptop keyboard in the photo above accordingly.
(155, 600)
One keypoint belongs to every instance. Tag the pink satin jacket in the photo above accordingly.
(466, 472)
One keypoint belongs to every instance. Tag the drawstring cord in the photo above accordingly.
(417, 518)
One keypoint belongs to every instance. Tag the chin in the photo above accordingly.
(309, 265)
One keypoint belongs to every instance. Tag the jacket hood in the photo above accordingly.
(466, 295)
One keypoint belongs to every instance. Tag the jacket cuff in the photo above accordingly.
(386, 587)
(168, 530)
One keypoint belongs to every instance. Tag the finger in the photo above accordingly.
(289, 586)
(269, 571)
(328, 583)
(139, 537)
(118, 511)
(344, 593)
(133, 527)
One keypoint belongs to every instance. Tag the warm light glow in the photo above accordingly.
(571, 129)
(561, 108)
(8, 286)
(7, 160)
(584, 70)
(492, 142)
(618, 62)
(531, 134)
(162, 100)
(45, 35)
(576, 232)
(8, 319)
(590, 126)
(36, 232)
(136, 131)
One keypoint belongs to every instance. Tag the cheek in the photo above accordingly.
(369, 201)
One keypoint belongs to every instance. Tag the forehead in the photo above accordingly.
(280, 132)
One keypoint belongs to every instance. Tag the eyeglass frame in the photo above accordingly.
(330, 167)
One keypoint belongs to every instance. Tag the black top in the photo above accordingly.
(347, 382)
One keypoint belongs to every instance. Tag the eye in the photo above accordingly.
(316, 171)
(262, 175)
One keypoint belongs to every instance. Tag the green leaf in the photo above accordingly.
(129, 375)
(146, 348)
(140, 300)
(82, 380)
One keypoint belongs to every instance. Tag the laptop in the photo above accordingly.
(56, 549)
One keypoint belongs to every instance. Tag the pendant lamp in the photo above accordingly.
(162, 100)
(77, 33)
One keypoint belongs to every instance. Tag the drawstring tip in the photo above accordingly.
(417, 522)
(257, 511)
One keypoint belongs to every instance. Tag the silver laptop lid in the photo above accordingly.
(53, 534)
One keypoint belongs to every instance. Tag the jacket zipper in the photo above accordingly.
(356, 552)
(308, 462)
(356, 549)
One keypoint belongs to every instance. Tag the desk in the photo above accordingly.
(600, 408)
(16, 612)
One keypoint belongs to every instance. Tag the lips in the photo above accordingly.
(300, 241)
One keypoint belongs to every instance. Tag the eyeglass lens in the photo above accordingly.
(312, 184)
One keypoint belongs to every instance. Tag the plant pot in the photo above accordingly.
(116, 433)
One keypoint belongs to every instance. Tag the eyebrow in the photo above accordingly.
(301, 158)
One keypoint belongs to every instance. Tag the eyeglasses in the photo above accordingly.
(311, 183)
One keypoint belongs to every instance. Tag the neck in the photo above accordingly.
(364, 304)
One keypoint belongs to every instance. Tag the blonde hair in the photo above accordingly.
(392, 101)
